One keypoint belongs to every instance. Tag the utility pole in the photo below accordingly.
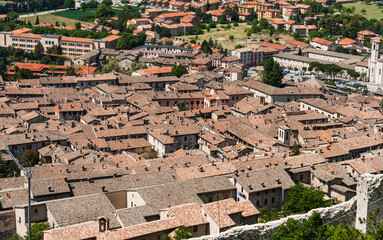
(28, 175)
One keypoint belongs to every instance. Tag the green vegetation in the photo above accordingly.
(295, 150)
(37, 231)
(7, 168)
(70, 33)
(179, 70)
(150, 155)
(314, 229)
(181, 233)
(181, 106)
(301, 199)
(239, 34)
(273, 73)
(372, 10)
(129, 41)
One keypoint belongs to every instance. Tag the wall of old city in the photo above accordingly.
(369, 196)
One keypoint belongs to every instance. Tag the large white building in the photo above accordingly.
(375, 64)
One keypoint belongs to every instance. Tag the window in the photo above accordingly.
(195, 228)
(265, 201)
(36, 41)
(79, 44)
(29, 40)
(257, 203)
(266, 192)
(301, 176)
(86, 45)
(273, 190)
(186, 139)
(22, 40)
(272, 200)
(35, 210)
(64, 43)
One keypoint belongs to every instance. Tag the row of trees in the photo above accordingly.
(333, 70)
(315, 229)
(300, 199)
(22, 6)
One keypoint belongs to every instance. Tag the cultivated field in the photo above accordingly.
(372, 10)
(222, 36)
(50, 18)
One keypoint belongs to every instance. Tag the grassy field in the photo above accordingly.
(76, 14)
(70, 17)
(222, 36)
(372, 10)
(50, 18)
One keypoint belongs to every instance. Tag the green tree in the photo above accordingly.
(181, 106)
(301, 199)
(169, 42)
(15, 237)
(296, 150)
(300, 52)
(273, 73)
(180, 233)
(38, 52)
(12, 16)
(37, 20)
(179, 70)
(363, 11)
(104, 11)
(71, 71)
(37, 231)
(231, 37)
(107, 2)
(365, 90)
(83, 6)
(77, 25)
(25, 73)
(69, 4)
(45, 60)
(153, 40)
(205, 47)
(129, 41)
(267, 215)
(30, 157)
(112, 65)
(314, 229)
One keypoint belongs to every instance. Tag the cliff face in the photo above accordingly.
(369, 195)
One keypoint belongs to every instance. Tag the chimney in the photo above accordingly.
(50, 189)
(103, 224)
(263, 184)
(278, 181)
(103, 188)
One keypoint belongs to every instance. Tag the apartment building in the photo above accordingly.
(70, 45)
(269, 13)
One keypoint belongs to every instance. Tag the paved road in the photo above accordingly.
(43, 13)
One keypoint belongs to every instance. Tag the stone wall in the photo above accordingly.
(7, 224)
(369, 195)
